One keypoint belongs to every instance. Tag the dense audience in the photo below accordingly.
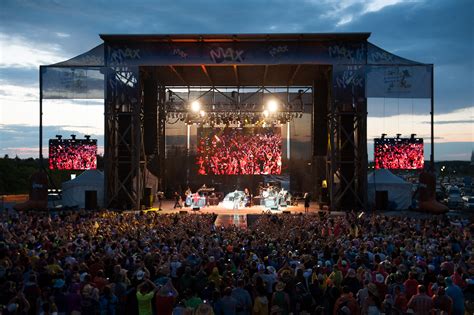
(235, 151)
(145, 263)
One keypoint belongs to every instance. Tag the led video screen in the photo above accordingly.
(72, 154)
(239, 151)
(398, 153)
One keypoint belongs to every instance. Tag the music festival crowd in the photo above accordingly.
(148, 263)
(233, 152)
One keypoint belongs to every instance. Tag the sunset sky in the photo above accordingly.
(441, 32)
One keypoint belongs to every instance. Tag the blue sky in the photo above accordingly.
(429, 31)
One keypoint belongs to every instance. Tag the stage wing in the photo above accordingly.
(388, 75)
(81, 77)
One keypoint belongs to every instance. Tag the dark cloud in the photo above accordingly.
(449, 122)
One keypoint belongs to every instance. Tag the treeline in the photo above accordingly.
(15, 174)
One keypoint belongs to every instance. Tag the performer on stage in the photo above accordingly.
(159, 197)
(236, 200)
(307, 199)
(177, 199)
(248, 198)
(189, 197)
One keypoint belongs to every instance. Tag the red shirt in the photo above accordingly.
(411, 286)
(164, 305)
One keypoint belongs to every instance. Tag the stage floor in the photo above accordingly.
(167, 207)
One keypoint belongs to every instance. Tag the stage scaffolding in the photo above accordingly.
(341, 70)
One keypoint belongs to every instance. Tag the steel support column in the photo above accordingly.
(123, 138)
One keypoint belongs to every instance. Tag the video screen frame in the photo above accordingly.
(72, 154)
(251, 150)
(399, 153)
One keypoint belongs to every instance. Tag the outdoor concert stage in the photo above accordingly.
(236, 111)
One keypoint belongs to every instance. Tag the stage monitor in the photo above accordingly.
(72, 154)
(239, 151)
(398, 153)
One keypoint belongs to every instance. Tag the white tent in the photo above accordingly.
(399, 190)
(74, 191)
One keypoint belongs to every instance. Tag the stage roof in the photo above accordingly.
(229, 60)
(236, 37)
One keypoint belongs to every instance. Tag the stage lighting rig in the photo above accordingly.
(272, 106)
(196, 106)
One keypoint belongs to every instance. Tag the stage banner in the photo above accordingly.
(379, 56)
(222, 53)
(348, 83)
(399, 81)
(72, 82)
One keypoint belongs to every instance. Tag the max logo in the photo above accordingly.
(219, 55)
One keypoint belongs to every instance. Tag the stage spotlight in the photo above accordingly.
(202, 113)
(195, 106)
(265, 113)
(272, 106)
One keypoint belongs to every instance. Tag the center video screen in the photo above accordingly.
(239, 151)
(72, 154)
(398, 153)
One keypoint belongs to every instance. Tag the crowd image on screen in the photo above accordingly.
(398, 153)
(73, 154)
(239, 151)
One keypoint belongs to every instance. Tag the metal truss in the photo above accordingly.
(347, 157)
(124, 157)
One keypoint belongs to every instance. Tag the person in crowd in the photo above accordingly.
(456, 295)
(145, 293)
(166, 298)
(421, 303)
(242, 296)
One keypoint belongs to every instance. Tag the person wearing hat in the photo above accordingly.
(372, 303)
(346, 300)
(280, 299)
(455, 293)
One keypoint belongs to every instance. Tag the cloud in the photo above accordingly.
(450, 122)
(20, 52)
(59, 34)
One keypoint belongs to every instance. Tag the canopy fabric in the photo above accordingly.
(263, 60)
(91, 58)
(399, 190)
(73, 191)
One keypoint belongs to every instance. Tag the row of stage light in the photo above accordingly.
(271, 114)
